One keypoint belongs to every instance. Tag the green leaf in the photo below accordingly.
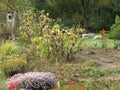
(117, 19)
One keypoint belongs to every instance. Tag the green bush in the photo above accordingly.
(14, 64)
(8, 48)
(115, 29)
(46, 38)
(117, 45)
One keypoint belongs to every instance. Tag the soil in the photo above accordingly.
(105, 58)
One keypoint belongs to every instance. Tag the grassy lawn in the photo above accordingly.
(2, 81)
(88, 43)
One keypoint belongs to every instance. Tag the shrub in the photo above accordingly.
(117, 45)
(33, 25)
(46, 39)
(61, 45)
(115, 29)
(14, 64)
(8, 48)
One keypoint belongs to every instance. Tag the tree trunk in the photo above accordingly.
(84, 5)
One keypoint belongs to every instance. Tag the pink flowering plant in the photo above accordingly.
(32, 81)
(13, 85)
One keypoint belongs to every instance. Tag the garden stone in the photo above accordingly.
(88, 35)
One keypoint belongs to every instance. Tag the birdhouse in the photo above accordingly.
(11, 17)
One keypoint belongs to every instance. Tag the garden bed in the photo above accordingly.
(89, 67)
